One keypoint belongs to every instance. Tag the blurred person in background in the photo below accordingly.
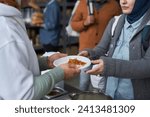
(91, 23)
(37, 16)
(92, 26)
(125, 56)
(19, 67)
(49, 23)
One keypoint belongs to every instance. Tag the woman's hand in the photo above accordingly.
(70, 70)
(53, 57)
(98, 69)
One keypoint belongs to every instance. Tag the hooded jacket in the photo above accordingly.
(19, 69)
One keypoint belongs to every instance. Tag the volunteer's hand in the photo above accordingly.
(83, 53)
(89, 20)
(98, 69)
(70, 70)
(53, 57)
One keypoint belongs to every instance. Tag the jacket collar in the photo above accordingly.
(119, 27)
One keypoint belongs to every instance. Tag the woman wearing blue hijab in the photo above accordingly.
(125, 56)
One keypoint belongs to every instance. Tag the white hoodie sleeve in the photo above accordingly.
(19, 69)
(16, 80)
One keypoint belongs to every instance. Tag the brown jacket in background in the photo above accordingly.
(91, 35)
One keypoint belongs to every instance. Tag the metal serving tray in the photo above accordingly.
(55, 93)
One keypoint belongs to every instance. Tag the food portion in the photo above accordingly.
(80, 61)
(76, 62)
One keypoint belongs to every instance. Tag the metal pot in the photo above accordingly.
(89, 95)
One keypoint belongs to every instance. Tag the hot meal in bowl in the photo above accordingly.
(80, 61)
(76, 62)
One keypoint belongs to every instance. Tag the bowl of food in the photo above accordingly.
(82, 62)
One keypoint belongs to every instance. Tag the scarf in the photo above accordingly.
(139, 9)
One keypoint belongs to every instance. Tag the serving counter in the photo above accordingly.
(63, 90)
(71, 91)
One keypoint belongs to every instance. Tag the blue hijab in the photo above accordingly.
(140, 8)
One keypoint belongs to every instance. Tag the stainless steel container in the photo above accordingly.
(55, 93)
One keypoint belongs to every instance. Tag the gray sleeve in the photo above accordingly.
(45, 83)
(126, 69)
(43, 63)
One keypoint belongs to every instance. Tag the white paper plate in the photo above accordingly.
(66, 59)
